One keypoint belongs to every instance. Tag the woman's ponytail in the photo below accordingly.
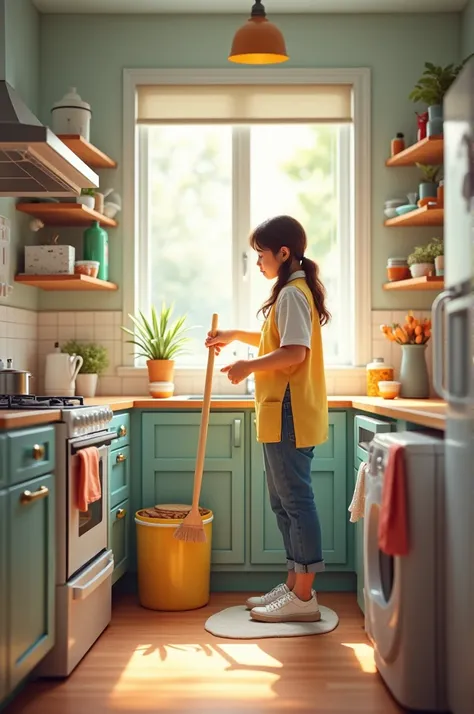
(311, 270)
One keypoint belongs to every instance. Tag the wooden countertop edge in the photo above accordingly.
(410, 410)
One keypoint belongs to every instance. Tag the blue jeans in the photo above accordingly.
(288, 472)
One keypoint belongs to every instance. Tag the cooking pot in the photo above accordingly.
(14, 381)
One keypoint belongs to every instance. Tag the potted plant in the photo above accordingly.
(87, 197)
(160, 341)
(436, 248)
(428, 187)
(95, 361)
(421, 262)
(431, 89)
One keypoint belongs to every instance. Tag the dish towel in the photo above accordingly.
(357, 506)
(88, 481)
(393, 520)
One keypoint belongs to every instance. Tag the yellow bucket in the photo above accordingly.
(172, 574)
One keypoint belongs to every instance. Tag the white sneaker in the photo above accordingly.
(288, 608)
(261, 601)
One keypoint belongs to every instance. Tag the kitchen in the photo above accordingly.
(246, 557)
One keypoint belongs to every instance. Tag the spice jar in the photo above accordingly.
(397, 269)
(398, 144)
(377, 371)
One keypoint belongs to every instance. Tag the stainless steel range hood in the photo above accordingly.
(33, 161)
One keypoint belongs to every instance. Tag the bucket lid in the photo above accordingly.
(72, 99)
(169, 512)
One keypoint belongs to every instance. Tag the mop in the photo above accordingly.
(192, 529)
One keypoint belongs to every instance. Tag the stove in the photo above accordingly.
(79, 419)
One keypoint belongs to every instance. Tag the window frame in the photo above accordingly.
(135, 216)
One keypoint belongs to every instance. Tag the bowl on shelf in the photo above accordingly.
(87, 267)
(389, 390)
(407, 208)
(391, 212)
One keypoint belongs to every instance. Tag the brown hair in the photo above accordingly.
(281, 231)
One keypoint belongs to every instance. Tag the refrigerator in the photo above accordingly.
(453, 371)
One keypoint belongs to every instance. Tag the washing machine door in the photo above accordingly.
(382, 573)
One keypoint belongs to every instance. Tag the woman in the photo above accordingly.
(291, 408)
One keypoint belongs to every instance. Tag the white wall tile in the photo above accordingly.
(104, 318)
(109, 386)
(66, 332)
(84, 318)
(85, 332)
(47, 318)
(135, 386)
(104, 332)
(66, 318)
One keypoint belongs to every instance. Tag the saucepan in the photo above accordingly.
(14, 381)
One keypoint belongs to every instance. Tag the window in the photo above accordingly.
(204, 186)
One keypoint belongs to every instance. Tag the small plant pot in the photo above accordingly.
(435, 120)
(160, 378)
(88, 201)
(428, 190)
(86, 385)
(419, 270)
(439, 265)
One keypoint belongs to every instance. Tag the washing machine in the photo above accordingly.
(404, 596)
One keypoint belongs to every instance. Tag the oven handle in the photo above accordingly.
(80, 592)
(102, 440)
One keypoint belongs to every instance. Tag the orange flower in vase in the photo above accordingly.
(413, 337)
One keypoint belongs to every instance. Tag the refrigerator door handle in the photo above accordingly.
(438, 340)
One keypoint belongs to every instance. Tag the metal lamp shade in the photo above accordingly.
(258, 42)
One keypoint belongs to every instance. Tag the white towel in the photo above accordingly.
(357, 506)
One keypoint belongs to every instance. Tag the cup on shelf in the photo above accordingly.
(389, 390)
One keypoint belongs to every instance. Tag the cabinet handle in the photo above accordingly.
(237, 432)
(121, 513)
(28, 497)
(38, 452)
(120, 458)
(122, 430)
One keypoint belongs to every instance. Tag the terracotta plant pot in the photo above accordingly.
(160, 378)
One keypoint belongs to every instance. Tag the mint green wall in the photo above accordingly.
(90, 53)
(21, 55)
(468, 29)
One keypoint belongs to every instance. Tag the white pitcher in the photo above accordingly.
(61, 371)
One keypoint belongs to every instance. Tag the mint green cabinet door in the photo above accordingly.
(169, 447)
(119, 527)
(31, 574)
(119, 475)
(329, 477)
(3, 461)
(3, 597)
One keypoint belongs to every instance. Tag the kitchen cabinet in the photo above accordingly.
(119, 475)
(169, 448)
(329, 476)
(119, 528)
(30, 453)
(3, 597)
(30, 574)
(3, 461)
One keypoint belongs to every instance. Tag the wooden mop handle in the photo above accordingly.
(206, 405)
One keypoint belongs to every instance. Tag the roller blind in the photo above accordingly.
(244, 104)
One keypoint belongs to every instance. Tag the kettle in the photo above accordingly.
(60, 374)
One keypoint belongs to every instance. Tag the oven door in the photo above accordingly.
(87, 531)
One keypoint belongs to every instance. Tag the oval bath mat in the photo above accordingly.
(235, 623)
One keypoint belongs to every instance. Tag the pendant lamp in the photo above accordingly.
(258, 41)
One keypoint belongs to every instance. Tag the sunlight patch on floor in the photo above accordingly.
(364, 654)
(234, 671)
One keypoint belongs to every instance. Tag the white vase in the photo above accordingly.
(86, 385)
(88, 201)
(418, 270)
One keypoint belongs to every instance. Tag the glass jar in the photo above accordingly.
(397, 269)
(377, 371)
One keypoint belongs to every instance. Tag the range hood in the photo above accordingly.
(33, 161)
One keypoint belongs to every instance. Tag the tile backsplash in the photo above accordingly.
(27, 336)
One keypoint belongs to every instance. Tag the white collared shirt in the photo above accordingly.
(293, 315)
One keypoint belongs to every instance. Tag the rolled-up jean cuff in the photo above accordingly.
(290, 564)
(310, 568)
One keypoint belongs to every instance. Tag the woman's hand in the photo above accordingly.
(220, 339)
(238, 371)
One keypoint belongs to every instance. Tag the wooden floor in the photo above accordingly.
(148, 661)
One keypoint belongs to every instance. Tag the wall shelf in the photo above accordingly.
(90, 154)
(65, 214)
(429, 151)
(64, 282)
(430, 282)
(426, 216)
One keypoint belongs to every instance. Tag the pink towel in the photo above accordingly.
(88, 481)
(393, 521)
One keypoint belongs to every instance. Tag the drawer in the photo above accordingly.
(121, 425)
(30, 453)
(365, 428)
(119, 475)
(119, 533)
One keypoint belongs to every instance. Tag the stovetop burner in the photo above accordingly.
(31, 401)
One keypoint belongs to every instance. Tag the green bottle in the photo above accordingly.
(96, 247)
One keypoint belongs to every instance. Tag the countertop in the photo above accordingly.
(430, 413)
